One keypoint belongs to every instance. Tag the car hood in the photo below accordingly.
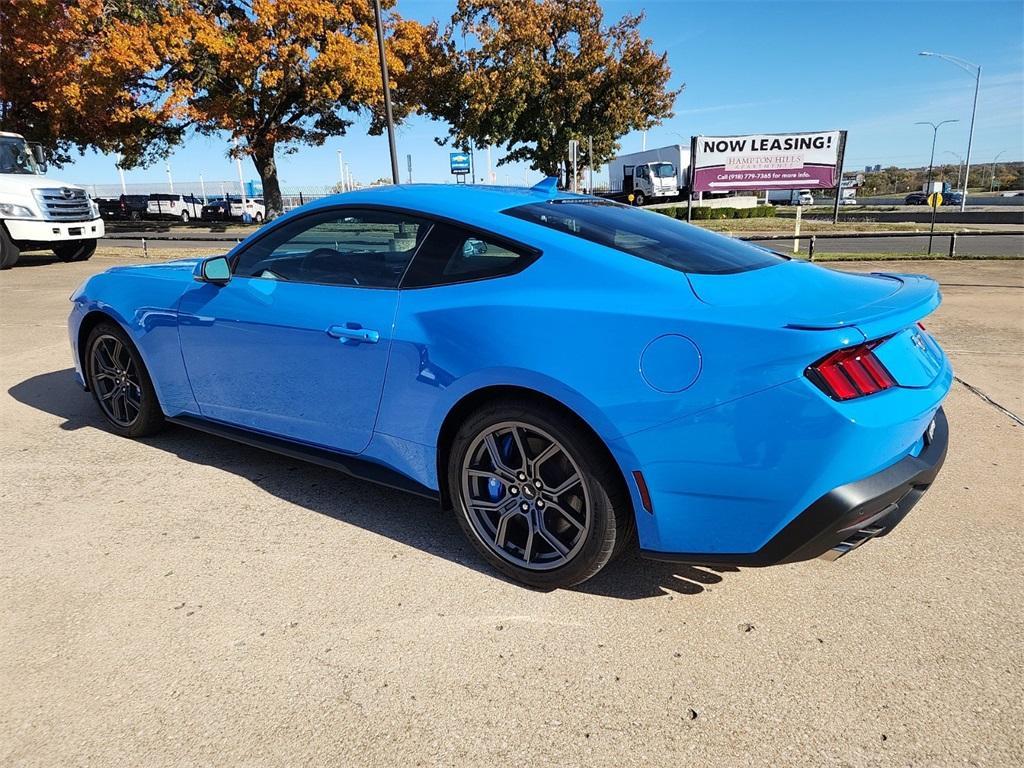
(800, 295)
(177, 266)
(23, 183)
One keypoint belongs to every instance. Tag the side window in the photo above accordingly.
(369, 249)
(451, 254)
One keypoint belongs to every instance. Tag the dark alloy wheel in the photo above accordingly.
(78, 250)
(535, 497)
(120, 383)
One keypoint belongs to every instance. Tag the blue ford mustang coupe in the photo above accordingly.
(568, 374)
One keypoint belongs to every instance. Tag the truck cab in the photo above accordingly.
(648, 181)
(40, 213)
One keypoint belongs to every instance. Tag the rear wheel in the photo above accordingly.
(184, 217)
(9, 250)
(259, 218)
(537, 498)
(78, 250)
(120, 383)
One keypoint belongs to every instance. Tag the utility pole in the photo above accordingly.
(574, 151)
(488, 164)
(590, 164)
(387, 94)
(120, 172)
(170, 179)
(341, 171)
(202, 186)
(408, 161)
(974, 69)
(241, 181)
(959, 165)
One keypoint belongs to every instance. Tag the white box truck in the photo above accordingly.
(790, 197)
(39, 213)
(651, 175)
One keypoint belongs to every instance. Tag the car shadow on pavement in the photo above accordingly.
(408, 519)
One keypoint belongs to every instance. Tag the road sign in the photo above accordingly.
(934, 199)
(460, 163)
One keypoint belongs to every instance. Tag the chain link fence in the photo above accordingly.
(292, 196)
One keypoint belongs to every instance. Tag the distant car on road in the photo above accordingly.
(129, 207)
(181, 207)
(921, 198)
(564, 372)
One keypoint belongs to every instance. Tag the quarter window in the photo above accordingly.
(450, 254)
(368, 249)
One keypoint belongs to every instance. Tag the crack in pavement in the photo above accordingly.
(990, 401)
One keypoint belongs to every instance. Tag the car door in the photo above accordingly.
(296, 344)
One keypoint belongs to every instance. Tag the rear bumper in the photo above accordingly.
(845, 517)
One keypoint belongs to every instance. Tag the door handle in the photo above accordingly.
(348, 333)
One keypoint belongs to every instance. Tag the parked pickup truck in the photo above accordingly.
(39, 213)
(130, 207)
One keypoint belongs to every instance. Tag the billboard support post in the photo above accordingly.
(839, 177)
(689, 180)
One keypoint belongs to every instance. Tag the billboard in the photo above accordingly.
(767, 161)
(460, 163)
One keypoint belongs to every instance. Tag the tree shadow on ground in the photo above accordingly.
(408, 519)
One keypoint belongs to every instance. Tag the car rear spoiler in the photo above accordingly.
(917, 297)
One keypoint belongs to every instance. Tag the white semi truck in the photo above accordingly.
(39, 213)
(651, 175)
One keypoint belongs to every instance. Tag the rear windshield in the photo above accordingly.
(163, 196)
(651, 236)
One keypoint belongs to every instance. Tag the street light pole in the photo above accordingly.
(387, 94)
(341, 171)
(931, 163)
(974, 69)
(992, 183)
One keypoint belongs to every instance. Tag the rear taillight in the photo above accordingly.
(852, 372)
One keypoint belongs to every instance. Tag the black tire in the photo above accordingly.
(639, 198)
(184, 217)
(259, 218)
(145, 418)
(135, 216)
(611, 524)
(79, 250)
(9, 250)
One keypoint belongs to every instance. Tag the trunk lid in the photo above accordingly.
(806, 297)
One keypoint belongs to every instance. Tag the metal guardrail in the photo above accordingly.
(953, 236)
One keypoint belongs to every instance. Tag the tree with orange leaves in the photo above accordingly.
(279, 73)
(84, 73)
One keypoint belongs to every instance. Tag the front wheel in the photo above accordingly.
(259, 218)
(536, 496)
(9, 250)
(184, 217)
(120, 383)
(79, 250)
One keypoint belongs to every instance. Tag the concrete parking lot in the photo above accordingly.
(184, 600)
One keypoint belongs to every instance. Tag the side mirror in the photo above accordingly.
(215, 270)
(39, 156)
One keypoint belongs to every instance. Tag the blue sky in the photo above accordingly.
(749, 67)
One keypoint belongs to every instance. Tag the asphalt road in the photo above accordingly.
(184, 600)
